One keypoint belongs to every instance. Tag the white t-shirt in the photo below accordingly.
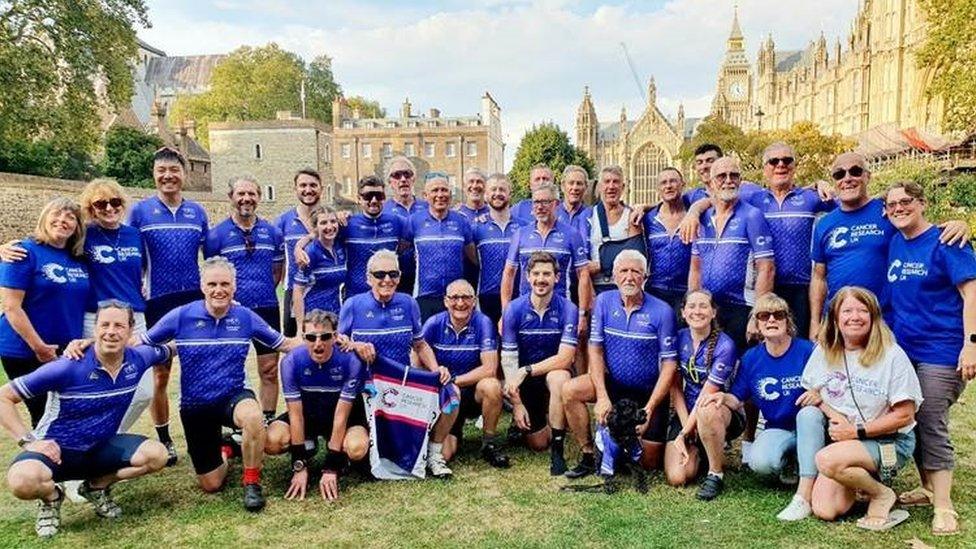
(618, 231)
(876, 388)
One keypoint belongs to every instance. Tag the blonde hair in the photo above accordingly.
(770, 302)
(879, 339)
(100, 187)
(76, 242)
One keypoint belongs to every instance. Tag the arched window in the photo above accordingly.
(647, 163)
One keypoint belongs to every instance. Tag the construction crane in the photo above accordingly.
(633, 71)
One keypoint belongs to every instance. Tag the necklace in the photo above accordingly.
(104, 232)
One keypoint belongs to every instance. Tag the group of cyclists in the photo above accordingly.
(829, 329)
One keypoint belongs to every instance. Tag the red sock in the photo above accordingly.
(252, 475)
(227, 452)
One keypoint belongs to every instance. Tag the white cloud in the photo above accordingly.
(534, 58)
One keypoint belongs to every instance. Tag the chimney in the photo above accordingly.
(405, 108)
(356, 115)
(435, 113)
(191, 128)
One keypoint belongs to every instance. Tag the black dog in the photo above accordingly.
(622, 424)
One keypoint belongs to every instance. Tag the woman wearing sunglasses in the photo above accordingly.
(707, 360)
(769, 377)
(319, 284)
(939, 337)
(855, 430)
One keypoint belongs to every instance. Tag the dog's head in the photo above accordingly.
(624, 419)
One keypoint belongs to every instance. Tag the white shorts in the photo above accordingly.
(144, 391)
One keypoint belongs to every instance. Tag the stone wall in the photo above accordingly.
(23, 196)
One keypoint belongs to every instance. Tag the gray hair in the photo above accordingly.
(475, 171)
(549, 187)
(461, 282)
(321, 318)
(540, 166)
(573, 168)
(630, 255)
(398, 158)
(775, 146)
(614, 169)
(379, 255)
(232, 183)
(218, 262)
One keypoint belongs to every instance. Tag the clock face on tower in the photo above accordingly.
(736, 91)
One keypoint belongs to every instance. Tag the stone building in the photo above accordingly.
(870, 81)
(642, 147)
(272, 151)
(434, 142)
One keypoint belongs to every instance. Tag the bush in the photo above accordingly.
(947, 195)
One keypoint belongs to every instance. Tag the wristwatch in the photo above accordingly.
(26, 439)
(528, 370)
(298, 466)
(862, 433)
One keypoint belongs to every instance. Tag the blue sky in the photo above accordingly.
(533, 57)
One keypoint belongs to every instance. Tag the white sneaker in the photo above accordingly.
(437, 465)
(746, 452)
(71, 491)
(798, 509)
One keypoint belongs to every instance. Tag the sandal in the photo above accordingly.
(917, 497)
(877, 524)
(945, 522)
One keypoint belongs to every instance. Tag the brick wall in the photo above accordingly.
(23, 196)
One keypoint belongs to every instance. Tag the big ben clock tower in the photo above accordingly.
(733, 95)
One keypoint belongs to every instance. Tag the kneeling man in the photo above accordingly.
(78, 438)
(632, 355)
(321, 385)
(465, 342)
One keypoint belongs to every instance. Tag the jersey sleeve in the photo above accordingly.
(355, 375)
(278, 237)
(597, 322)
(49, 377)
(488, 342)
(817, 250)
(510, 329)
(760, 237)
(211, 245)
(723, 368)
(667, 335)
(466, 231)
(415, 318)
(513, 249)
(152, 355)
(164, 330)
(429, 331)
(580, 248)
(569, 319)
(290, 383)
(204, 224)
(263, 333)
(303, 275)
(960, 263)
(346, 315)
(18, 275)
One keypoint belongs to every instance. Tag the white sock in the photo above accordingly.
(434, 448)
(714, 474)
(746, 451)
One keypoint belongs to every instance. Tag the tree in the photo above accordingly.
(59, 63)
(546, 144)
(320, 89)
(128, 156)
(366, 108)
(949, 52)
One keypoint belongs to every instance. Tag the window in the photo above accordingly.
(346, 150)
(269, 192)
(471, 148)
(412, 124)
(408, 149)
(429, 150)
(452, 122)
(347, 124)
(347, 185)
(257, 151)
(391, 124)
(432, 123)
(367, 150)
(387, 150)
(330, 194)
(450, 149)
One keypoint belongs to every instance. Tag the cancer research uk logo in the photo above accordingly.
(104, 254)
(767, 387)
(842, 236)
(59, 274)
(899, 270)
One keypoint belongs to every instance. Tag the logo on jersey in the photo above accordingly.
(763, 240)
(389, 397)
(669, 341)
(836, 384)
(54, 273)
(836, 239)
(93, 376)
(765, 392)
(903, 271)
(893, 270)
(102, 254)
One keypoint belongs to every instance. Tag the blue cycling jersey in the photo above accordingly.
(669, 257)
(306, 381)
(362, 237)
(391, 327)
(694, 367)
(492, 242)
(254, 253)
(537, 336)
(292, 229)
(439, 245)
(172, 240)
(562, 241)
(460, 350)
(323, 277)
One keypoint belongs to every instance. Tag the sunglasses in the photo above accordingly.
(401, 174)
(380, 275)
(854, 171)
(249, 244)
(324, 336)
(903, 202)
(104, 204)
(543, 202)
(786, 161)
(460, 297)
(763, 316)
(373, 195)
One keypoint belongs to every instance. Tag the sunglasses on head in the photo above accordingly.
(380, 275)
(324, 336)
(373, 195)
(854, 171)
(785, 160)
(104, 204)
(763, 316)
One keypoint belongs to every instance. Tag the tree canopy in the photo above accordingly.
(949, 51)
(128, 156)
(366, 108)
(544, 144)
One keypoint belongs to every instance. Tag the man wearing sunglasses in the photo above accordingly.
(173, 230)
(442, 240)
(523, 211)
(321, 385)
(733, 254)
(295, 224)
(401, 175)
(257, 250)
(370, 230)
(850, 244)
(213, 336)
(465, 342)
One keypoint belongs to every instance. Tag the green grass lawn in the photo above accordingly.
(481, 506)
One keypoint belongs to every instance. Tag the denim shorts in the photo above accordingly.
(904, 448)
